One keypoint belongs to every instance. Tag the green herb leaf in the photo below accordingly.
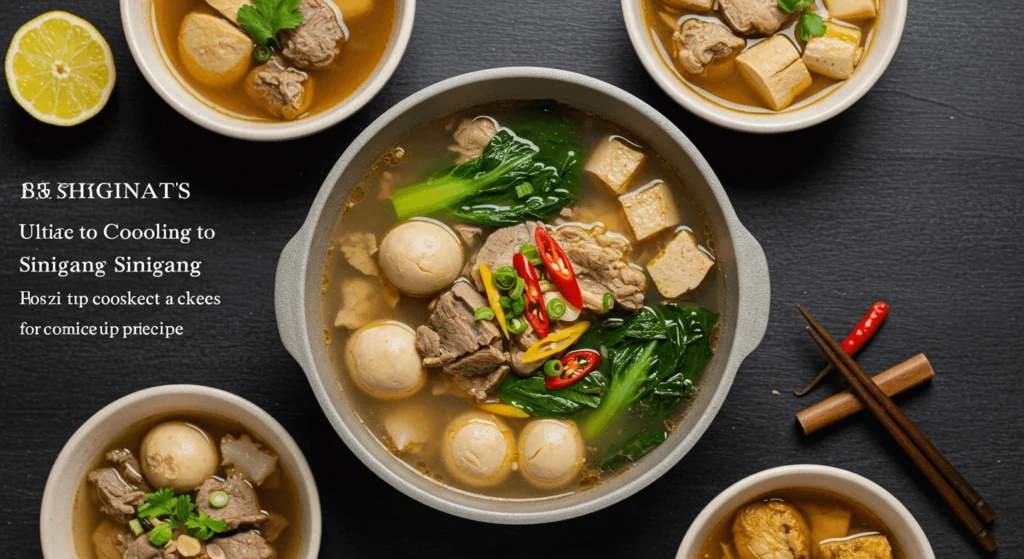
(161, 503)
(202, 527)
(161, 534)
(263, 19)
(183, 509)
(792, 6)
(811, 24)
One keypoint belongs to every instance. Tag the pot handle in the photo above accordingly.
(754, 293)
(289, 297)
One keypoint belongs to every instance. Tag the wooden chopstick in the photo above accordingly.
(909, 438)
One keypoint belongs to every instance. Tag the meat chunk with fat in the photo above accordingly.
(753, 17)
(499, 247)
(471, 137)
(128, 466)
(315, 42)
(522, 343)
(874, 546)
(700, 44)
(599, 261)
(243, 506)
(117, 497)
(480, 372)
(771, 530)
(453, 330)
(283, 92)
(243, 545)
(140, 548)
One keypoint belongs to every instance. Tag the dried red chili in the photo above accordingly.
(575, 365)
(535, 313)
(856, 339)
(559, 268)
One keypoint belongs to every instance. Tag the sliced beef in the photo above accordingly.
(599, 260)
(471, 137)
(499, 247)
(481, 362)
(314, 43)
(699, 44)
(117, 497)
(453, 332)
(243, 545)
(522, 343)
(243, 506)
(480, 387)
(129, 467)
(283, 92)
(753, 17)
(140, 548)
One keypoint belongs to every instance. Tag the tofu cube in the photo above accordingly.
(826, 522)
(851, 9)
(700, 6)
(650, 209)
(835, 54)
(228, 8)
(681, 266)
(615, 163)
(213, 51)
(774, 69)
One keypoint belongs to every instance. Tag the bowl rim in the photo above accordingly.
(290, 298)
(695, 535)
(168, 87)
(814, 113)
(289, 447)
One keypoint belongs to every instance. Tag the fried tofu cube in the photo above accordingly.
(774, 69)
(863, 547)
(215, 52)
(650, 209)
(835, 54)
(700, 6)
(851, 9)
(615, 163)
(681, 266)
(827, 522)
(228, 8)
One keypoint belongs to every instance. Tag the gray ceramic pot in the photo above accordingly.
(741, 260)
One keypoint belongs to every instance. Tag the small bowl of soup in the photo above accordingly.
(765, 66)
(805, 511)
(180, 471)
(233, 69)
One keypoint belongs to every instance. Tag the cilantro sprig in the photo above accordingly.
(172, 512)
(263, 19)
(810, 22)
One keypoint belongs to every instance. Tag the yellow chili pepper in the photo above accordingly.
(504, 410)
(556, 342)
(492, 298)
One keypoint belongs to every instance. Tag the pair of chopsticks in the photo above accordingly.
(974, 513)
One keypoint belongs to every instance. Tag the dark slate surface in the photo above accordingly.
(912, 196)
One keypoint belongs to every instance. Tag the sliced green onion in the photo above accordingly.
(136, 527)
(552, 367)
(518, 306)
(556, 308)
(608, 301)
(483, 313)
(530, 252)
(505, 302)
(517, 291)
(546, 286)
(219, 499)
(263, 53)
(523, 190)
(516, 325)
(505, 278)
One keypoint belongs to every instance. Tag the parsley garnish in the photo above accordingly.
(161, 503)
(264, 18)
(811, 24)
(202, 527)
(791, 6)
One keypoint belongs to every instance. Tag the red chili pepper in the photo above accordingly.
(535, 313)
(559, 267)
(855, 340)
(575, 365)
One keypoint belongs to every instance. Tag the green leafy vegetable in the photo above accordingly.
(792, 6)
(811, 24)
(530, 395)
(202, 527)
(161, 534)
(160, 503)
(539, 147)
(263, 19)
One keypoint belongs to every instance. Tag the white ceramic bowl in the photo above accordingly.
(83, 449)
(888, 31)
(137, 20)
(904, 528)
